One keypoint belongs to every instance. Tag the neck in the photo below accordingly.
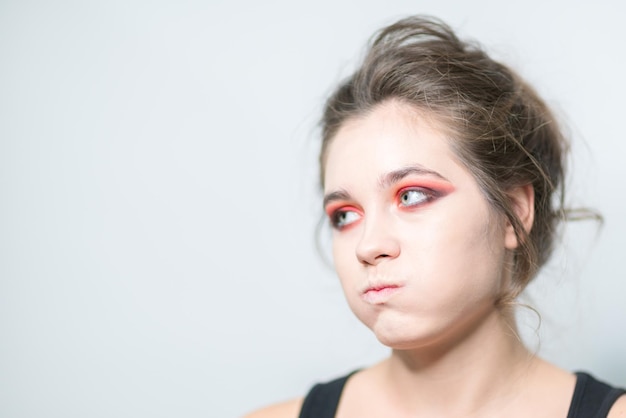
(460, 377)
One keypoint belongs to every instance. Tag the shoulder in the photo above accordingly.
(288, 409)
(619, 408)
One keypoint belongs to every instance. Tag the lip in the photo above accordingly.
(380, 294)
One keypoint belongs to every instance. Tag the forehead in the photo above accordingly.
(391, 136)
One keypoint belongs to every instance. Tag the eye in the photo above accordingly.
(414, 197)
(342, 218)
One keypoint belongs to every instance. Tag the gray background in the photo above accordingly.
(158, 197)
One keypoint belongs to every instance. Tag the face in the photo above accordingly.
(418, 250)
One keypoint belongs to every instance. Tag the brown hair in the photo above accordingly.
(503, 132)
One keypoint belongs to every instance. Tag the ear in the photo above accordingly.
(523, 203)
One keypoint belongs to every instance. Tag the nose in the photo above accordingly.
(377, 243)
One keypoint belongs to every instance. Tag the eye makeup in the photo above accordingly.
(419, 193)
(343, 216)
(411, 189)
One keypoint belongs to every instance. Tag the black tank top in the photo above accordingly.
(591, 399)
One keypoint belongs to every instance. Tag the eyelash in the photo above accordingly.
(429, 195)
(335, 215)
(339, 224)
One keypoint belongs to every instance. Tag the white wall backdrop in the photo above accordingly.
(158, 197)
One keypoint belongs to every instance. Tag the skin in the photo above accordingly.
(422, 258)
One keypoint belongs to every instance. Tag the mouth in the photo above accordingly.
(378, 295)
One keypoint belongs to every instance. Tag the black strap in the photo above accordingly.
(323, 399)
(592, 399)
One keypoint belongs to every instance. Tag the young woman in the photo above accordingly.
(442, 174)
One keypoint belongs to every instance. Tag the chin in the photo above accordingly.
(406, 341)
(406, 336)
(409, 333)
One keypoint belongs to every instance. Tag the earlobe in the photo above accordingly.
(523, 204)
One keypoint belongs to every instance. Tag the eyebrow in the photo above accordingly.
(395, 176)
(336, 195)
(386, 180)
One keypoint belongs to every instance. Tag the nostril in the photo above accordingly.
(374, 249)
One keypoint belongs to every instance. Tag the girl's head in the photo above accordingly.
(496, 125)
